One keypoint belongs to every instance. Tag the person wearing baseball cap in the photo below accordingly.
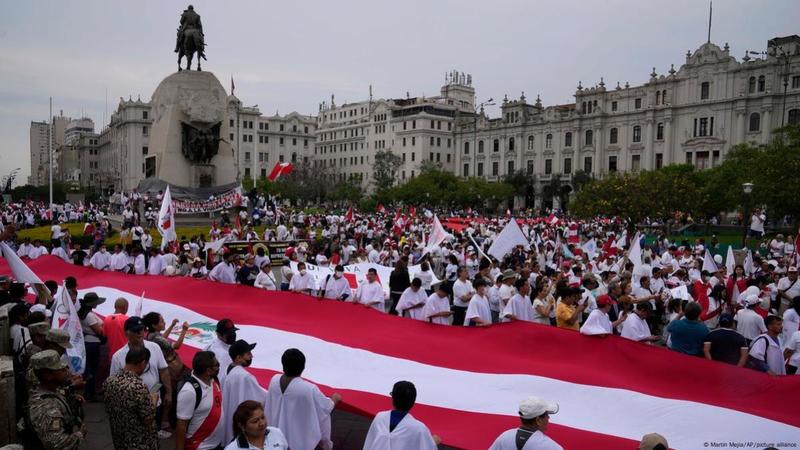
(788, 288)
(240, 385)
(725, 344)
(653, 441)
(49, 416)
(226, 336)
(598, 323)
(748, 322)
(534, 415)
(157, 369)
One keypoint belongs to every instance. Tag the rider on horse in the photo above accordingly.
(190, 20)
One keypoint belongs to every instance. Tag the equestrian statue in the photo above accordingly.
(190, 39)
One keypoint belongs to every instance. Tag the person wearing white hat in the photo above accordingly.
(748, 323)
(534, 415)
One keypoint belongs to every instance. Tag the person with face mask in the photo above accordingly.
(302, 282)
(226, 336)
(101, 260)
(265, 279)
(335, 286)
(240, 385)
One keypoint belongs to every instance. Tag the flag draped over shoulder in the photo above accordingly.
(470, 401)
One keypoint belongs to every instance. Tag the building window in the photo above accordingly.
(466, 148)
(548, 141)
(751, 85)
(548, 166)
(511, 144)
(635, 162)
(231, 122)
(612, 163)
(495, 168)
(761, 83)
(567, 166)
(404, 142)
(638, 103)
(247, 172)
(448, 158)
(755, 122)
(529, 168)
(658, 97)
(281, 127)
(530, 142)
(588, 137)
(568, 139)
(466, 170)
(796, 82)
(280, 141)
(794, 117)
(247, 156)
(145, 150)
(144, 131)
(613, 136)
(510, 167)
(496, 145)
(438, 142)
(144, 115)
(413, 156)
(480, 169)
(659, 160)
(614, 106)
(664, 97)
(480, 146)
(703, 130)
(294, 157)
(587, 164)
(637, 133)
(660, 131)
(705, 88)
(413, 141)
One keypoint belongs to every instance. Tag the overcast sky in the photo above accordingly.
(290, 56)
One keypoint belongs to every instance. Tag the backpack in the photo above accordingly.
(750, 359)
(198, 392)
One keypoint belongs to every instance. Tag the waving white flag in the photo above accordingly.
(65, 317)
(635, 254)
(510, 237)
(438, 235)
(22, 273)
(590, 248)
(166, 220)
(708, 263)
(730, 261)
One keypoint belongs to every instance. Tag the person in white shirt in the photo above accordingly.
(101, 260)
(478, 312)
(24, 248)
(251, 430)
(157, 367)
(302, 282)
(398, 429)
(240, 385)
(425, 276)
(437, 307)
(534, 415)
(765, 351)
(155, 264)
(224, 272)
(336, 286)
(462, 293)
(297, 407)
(119, 260)
(371, 293)
(139, 267)
(635, 326)
(598, 323)
(519, 307)
(412, 300)
(200, 409)
(265, 279)
(788, 288)
(756, 230)
(226, 336)
(748, 323)
(55, 234)
(37, 250)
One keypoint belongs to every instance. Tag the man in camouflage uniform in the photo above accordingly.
(50, 417)
(38, 337)
(56, 340)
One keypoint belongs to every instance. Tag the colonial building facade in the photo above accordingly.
(693, 115)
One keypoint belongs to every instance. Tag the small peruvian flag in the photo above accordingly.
(280, 170)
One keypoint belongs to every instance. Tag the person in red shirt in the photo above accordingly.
(114, 327)
(700, 293)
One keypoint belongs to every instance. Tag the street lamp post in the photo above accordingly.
(747, 188)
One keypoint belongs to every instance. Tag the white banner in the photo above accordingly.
(65, 317)
(357, 274)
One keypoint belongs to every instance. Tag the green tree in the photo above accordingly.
(384, 171)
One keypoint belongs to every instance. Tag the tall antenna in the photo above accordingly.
(710, 9)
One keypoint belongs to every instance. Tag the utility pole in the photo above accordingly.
(50, 155)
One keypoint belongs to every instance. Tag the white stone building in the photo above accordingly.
(694, 115)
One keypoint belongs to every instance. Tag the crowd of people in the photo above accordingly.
(576, 275)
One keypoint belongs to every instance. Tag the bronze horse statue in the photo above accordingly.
(192, 42)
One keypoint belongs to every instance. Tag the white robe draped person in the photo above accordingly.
(635, 328)
(597, 323)
(101, 260)
(436, 304)
(370, 293)
(240, 385)
(478, 308)
(520, 307)
(409, 434)
(409, 299)
(220, 350)
(303, 413)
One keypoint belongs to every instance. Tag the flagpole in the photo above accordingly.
(50, 157)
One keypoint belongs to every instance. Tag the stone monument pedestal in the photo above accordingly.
(190, 113)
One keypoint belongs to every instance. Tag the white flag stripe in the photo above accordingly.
(685, 424)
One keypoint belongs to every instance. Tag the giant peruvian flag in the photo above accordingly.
(280, 170)
(470, 380)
